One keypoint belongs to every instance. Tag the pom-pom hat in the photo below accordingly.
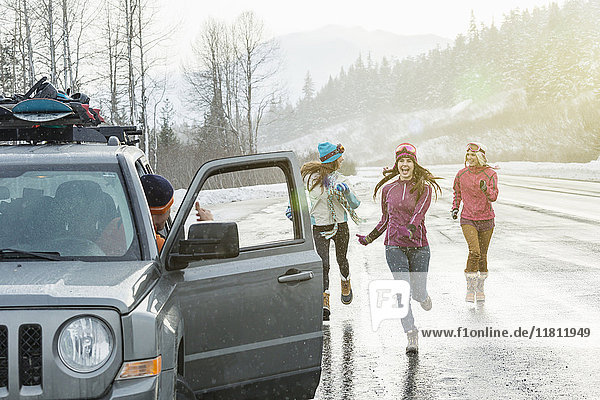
(159, 193)
(406, 150)
(329, 152)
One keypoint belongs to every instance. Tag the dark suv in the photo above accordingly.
(89, 309)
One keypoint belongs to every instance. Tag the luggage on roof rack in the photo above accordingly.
(43, 104)
(71, 134)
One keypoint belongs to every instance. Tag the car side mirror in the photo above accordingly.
(206, 240)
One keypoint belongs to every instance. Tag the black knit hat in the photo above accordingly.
(159, 193)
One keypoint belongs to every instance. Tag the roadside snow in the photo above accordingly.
(219, 196)
(579, 171)
(368, 176)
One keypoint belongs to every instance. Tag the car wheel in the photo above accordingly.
(183, 391)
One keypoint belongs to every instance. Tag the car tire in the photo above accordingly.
(183, 391)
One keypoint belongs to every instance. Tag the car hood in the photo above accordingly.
(118, 285)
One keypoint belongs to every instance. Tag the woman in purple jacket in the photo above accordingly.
(404, 203)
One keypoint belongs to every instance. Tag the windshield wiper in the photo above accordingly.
(13, 253)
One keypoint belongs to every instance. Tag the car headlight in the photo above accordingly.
(85, 344)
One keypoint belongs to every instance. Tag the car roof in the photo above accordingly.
(69, 153)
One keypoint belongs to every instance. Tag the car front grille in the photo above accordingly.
(3, 356)
(30, 355)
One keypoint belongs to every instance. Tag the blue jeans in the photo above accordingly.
(410, 264)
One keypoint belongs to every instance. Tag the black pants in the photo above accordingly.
(340, 239)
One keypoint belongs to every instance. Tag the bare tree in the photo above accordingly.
(130, 32)
(25, 18)
(259, 63)
(46, 16)
(76, 17)
(232, 80)
(21, 43)
(68, 73)
(147, 41)
(143, 72)
(113, 58)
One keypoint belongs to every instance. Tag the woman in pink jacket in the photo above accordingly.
(404, 203)
(476, 186)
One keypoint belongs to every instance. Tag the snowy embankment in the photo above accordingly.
(580, 171)
(220, 196)
(577, 171)
(367, 177)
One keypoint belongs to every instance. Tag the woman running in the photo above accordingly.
(331, 199)
(404, 203)
(476, 186)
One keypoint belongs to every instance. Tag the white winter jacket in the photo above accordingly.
(319, 211)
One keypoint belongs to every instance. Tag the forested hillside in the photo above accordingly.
(527, 86)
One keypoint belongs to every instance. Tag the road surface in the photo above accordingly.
(544, 263)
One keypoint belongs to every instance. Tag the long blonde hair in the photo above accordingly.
(321, 170)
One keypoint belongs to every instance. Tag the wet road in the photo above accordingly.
(544, 263)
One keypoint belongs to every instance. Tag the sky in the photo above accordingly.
(446, 18)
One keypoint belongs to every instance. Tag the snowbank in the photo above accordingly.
(579, 171)
(208, 197)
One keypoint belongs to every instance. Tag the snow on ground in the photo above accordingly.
(369, 176)
(218, 196)
(578, 171)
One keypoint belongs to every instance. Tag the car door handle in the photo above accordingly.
(298, 277)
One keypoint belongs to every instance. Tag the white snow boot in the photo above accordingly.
(471, 278)
(480, 295)
(413, 342)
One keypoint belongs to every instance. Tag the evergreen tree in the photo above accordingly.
(308, 90)
(166, 135)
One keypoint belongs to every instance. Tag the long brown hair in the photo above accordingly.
(309, 169)
(421, 177)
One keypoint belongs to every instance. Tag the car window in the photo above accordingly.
(256, 200)
(76, 211)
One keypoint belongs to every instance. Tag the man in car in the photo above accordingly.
(159, 195)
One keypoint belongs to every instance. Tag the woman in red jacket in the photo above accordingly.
(476, 186)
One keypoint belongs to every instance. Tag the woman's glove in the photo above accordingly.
(454, 213)
(363, 240)
(341, 187)
(483, 186)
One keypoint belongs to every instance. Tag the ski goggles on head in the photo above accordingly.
(406, 149)
(338, 150)
(474, 147)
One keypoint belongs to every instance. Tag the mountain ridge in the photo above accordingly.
(324, 51)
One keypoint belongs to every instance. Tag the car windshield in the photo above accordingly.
(74, 211)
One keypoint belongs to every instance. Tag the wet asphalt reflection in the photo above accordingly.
(543, 274)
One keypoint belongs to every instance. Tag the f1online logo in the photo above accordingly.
(389, 299)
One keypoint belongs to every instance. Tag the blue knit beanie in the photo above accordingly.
(159, 193)
(329, 152)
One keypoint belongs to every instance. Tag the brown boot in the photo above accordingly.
(346, 291)
(326, 310)
(479, 287)
(471, 278)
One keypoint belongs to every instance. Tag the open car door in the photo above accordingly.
(249, 283)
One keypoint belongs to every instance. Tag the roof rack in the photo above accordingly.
(98, 134)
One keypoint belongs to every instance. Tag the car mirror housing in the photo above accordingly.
(206, 240)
